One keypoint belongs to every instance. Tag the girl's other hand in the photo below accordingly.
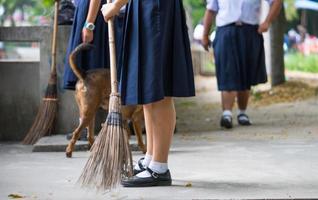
(263, 27)
(87, 35)
(109, 10)
(205, 42)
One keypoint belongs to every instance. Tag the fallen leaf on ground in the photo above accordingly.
(15, 196)
(188, 184)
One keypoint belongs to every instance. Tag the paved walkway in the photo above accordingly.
(275, 158)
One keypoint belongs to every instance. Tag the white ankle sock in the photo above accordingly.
(227, 113)
(145, 162)
(241, 112)
(157, 167)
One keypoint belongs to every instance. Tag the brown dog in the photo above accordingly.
(92, 91)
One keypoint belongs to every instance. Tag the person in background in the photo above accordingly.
(2, 51)
(238, 50)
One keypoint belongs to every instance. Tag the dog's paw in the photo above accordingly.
(68, 154)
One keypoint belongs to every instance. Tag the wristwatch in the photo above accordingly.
(90, 26)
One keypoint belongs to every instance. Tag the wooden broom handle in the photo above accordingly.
(54, 36)
(112, 51)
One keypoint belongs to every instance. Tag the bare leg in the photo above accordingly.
(242, 99)
(163, 119)
(228, 99)
(149, 130)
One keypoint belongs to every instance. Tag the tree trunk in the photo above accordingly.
(277, 50)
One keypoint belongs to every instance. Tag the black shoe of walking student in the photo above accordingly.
(243, 120)
(226, 122)
(141, 167)
(154, 180)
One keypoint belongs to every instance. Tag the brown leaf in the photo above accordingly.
(15, 196)
(188, 184)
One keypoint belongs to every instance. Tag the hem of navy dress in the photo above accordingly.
(235, 88)
(151, 100)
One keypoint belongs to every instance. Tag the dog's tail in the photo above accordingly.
(77, 71)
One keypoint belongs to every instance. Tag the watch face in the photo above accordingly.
(90, 26)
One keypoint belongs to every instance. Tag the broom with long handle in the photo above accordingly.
(45, 118)
(110, 157)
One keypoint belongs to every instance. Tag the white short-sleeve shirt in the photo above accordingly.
(230, 11)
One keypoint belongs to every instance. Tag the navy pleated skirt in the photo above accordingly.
(96, 58)
(156, 58)
(239, 57)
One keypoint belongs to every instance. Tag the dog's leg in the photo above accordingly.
(91, 130)
(137, 121)
(76, 135)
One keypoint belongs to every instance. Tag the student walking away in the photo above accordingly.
(155, 66)
(238, 50)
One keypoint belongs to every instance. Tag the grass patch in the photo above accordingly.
(300, 62)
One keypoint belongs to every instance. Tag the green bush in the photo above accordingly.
(300, 62)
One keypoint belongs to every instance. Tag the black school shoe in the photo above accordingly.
(243, 120)
(226, 122)
(154, 180)
(141, 167)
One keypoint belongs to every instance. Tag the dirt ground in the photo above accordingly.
(202, 113)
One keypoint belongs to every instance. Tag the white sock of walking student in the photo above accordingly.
(227, 113)
(242, 117)
(241, 112)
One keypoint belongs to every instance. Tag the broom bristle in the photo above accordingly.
(110, 157)
(44, 120)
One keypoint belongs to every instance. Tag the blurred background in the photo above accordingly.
(300, 30)
(291, 48)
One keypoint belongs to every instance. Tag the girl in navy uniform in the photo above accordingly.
(155, 66)
(239, 50)
(89, 26)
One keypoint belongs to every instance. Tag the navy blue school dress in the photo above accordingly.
(156, 58)
(239, 57)
(96, 58)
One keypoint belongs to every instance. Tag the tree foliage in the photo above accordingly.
(290, 10)
(196, 8)
(32, 7)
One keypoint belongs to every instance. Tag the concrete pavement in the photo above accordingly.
(275, 158)
(216, 165)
